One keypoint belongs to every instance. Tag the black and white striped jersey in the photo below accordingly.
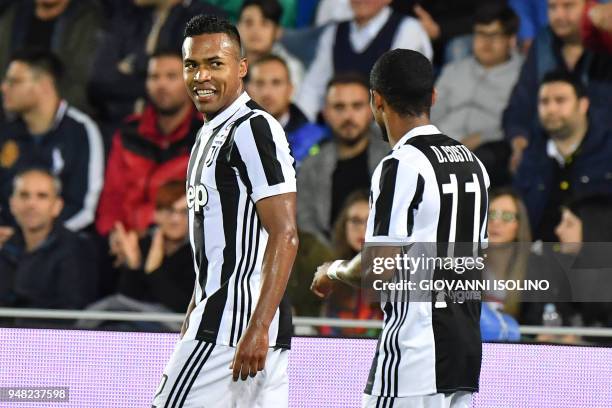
(429, 189)
(240, 157)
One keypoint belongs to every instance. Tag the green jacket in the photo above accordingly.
(232, 8)
(311, 254)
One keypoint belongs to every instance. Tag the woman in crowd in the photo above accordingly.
(509, 245)
(585, 234)
(156, 271)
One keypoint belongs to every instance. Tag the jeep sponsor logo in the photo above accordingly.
(197, 197)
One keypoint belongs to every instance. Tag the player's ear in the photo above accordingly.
(434, 97)
(376, 101)
(243, 67)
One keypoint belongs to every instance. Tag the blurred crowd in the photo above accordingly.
(97, 126)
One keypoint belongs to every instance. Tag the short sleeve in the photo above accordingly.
(396, 192)
(262, 146)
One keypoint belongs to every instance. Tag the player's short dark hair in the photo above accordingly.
(41, 60)
(492, 11)
(348, 78)
(211, 24)
(271, 58)
(404, 78)
(568, 78)
(271, 9)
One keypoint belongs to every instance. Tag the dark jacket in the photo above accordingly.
(315, 182)
(170, 285)
(590, 171)
(74, 40)
(140, 161)
(60, 274)
(114, 91)
(593, 69)
(72, 150)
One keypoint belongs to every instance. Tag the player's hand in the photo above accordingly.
(251, 352)
(322, 285)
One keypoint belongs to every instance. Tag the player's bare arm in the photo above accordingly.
(278, 217)
(348, 271)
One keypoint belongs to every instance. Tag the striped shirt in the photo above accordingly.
(240, 157)
(429, 189)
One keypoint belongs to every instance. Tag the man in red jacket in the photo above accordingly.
(149, 149)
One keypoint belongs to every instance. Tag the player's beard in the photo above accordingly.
(383, 132)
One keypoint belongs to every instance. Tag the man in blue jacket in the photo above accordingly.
(49, 133)
(569, 156)
(558, 46)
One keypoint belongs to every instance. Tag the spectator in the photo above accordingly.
(149, 149)
(344, 165)
(583, 256)
(156, 272)
(68, 28)
(270, 86)
(533, 16)
(585, 231)
(569, 154)
(51, 134)
(348, 240)
(234, 7)
(259, 27)
(333, 11)
(117, 83)
(558, 46)
(44, 265)
(355, 45)
(447, 23)
(597, 27)
(509, 243)
(473, 92)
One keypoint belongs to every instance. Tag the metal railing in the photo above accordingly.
(297, 321)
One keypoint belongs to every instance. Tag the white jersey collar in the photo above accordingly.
(417, 131)
(229, 111)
